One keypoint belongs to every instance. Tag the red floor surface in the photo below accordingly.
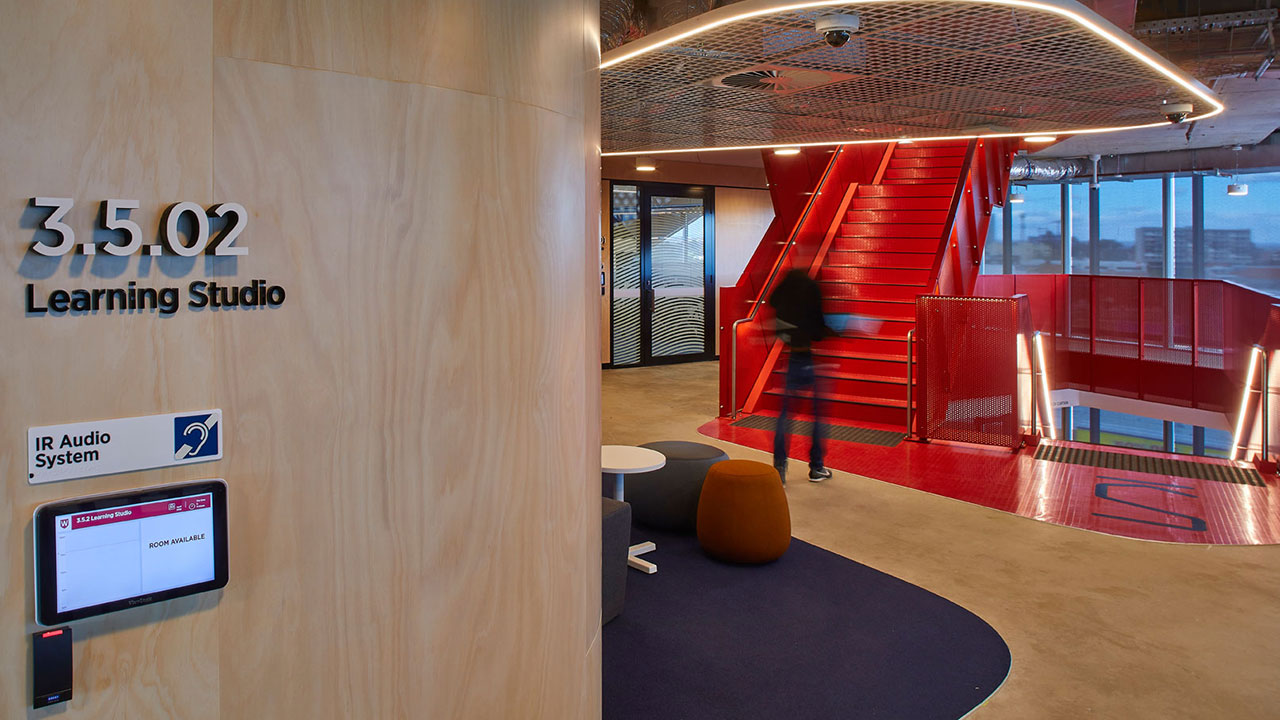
(1116, 502)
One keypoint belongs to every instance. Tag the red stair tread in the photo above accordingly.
(924, 203)
(871, 282)
(913, 189)
(895, 216)
(867, 243)
(852, 355)
(838, 375)
(889, 230)
(854, 399)
(924, 253)
(873, 266)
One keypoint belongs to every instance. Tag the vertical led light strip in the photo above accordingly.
(1044, 386)
(1244, 401)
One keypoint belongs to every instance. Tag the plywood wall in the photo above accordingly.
(412, 438)
(742, 217)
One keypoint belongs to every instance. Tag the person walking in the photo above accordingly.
(797, 303)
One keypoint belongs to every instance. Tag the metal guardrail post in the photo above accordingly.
(1035, 385)
(911, 341)
(1263, 401)
(733, 366)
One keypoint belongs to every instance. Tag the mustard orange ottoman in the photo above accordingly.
(742, 513)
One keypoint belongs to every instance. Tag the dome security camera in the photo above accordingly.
(838, 28)
(1176, 112)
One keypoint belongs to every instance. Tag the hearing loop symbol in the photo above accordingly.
(198, 428)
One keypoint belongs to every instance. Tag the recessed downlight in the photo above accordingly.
(645, 164)
(787, 151)
(1040, 138)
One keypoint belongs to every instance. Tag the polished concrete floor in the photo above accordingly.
(1099, 626)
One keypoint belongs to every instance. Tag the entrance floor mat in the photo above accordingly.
(1109, 460)
(845, 433)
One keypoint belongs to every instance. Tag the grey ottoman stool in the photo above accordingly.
(667, 498)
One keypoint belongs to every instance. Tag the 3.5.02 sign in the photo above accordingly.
(131, 232)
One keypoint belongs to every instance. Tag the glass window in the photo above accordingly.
(1080, 423)
(1037, 230)
(1217, 443)
(1080, 228)
(1131, 232)
(1131, 431)
(1241, 233)
(1182, 260)
(1117, 429)
(625, 254)
(993, 253)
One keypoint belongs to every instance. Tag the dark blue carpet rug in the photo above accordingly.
(812, 636)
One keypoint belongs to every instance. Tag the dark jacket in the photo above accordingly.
(797, 302)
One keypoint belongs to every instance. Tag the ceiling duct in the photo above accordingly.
(1028, 169)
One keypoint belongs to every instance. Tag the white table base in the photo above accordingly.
(633, 557)
(635, 551)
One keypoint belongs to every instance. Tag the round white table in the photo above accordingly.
(622, 460)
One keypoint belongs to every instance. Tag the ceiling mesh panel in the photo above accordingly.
(914, 69)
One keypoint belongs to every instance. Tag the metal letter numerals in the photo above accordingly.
(171, 236)
(54, 223)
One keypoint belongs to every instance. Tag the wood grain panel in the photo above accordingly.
(412, 438)
(81, 119)
(521, 51)
(452, 246)
(742, 217)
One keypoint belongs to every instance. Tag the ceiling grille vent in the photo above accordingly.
(777, 80)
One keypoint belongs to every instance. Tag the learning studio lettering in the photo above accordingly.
(133, 299)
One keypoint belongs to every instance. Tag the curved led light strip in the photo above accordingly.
(1058, 7)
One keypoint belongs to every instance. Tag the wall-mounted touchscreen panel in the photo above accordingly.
(110, 552)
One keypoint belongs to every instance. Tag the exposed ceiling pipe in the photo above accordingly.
(1030, 169)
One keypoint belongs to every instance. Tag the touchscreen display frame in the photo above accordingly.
(45, 547)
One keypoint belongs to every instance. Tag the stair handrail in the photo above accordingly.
(759, 300)
(818, 258)
(949, 227)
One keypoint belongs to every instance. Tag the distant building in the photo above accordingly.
(1223, 248)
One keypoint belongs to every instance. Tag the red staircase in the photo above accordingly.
(927, 206)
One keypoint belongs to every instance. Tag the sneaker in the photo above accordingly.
(819, 474)
(782, 472)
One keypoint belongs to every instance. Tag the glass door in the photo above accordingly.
(662, 307)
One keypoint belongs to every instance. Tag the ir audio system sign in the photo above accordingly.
(80, 450)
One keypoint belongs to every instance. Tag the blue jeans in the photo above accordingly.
(800, 376)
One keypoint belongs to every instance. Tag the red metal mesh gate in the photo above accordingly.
(969, 371)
